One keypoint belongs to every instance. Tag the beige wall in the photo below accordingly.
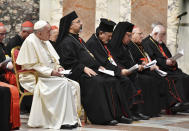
(51, 11)
(146, 12)
(86, 10)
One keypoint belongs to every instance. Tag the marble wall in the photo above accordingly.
(183, 38)
(86, 10)
(146, 12)
(93, 10)
(51, 11)
(116, 10)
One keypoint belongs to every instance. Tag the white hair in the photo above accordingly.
(157, 29)
(156, 23)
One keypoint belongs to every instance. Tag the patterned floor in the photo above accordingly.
(179, 122)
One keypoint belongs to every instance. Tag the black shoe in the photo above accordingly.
(180, 107)
(111, 123)
(125, 120)
(157, 115)
(135, 118)
(186, 111)
(69, 126)
(141, 116)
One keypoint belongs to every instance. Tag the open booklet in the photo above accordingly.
(6, 61)
(161, 73)
(135, 67)
(152, 63)
(65, 72)
(109, 72)
(177, 55)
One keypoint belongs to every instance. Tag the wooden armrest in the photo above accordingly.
(29, 72)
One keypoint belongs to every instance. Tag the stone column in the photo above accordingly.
(51, 11)
(146, 12)
(183, 40)
(174, 8)
(86, 11)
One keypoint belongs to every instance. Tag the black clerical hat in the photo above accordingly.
(71, 16)
(106, 25)
(64, 25)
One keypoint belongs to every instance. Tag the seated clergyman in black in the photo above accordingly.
(98, 46)
(102, 96)
(178, 81)
(158, 98)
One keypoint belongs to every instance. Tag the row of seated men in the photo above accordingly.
(107, 100)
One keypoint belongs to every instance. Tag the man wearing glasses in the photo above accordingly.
(26, 29)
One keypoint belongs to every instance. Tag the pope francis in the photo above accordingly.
(56, 98)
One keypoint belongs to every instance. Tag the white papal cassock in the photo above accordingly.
(56, 99)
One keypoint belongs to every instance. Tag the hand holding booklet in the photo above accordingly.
(152, 63)
(65, 72)
(135, 67)
(6, 61)
(177, 55)
(109, 72)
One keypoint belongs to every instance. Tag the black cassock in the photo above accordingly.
(178, 81)
(140, 56)
(144, 80)
(102, 55)
(101, 95)
(2, 58)
(13, 42)
(5, 101)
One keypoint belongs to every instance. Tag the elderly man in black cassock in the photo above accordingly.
(98, 46)
(178, 81)
(158, 97)
(102, 96)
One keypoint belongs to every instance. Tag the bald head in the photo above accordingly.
(159, 33)
(137, 35)
(2, 32)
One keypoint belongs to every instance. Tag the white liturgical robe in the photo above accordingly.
(56, 99)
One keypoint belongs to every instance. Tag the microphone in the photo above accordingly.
(184, 13)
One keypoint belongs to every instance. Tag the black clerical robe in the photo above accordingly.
(140, 56)
(103, 55)
(101, 95)
(13, 42)
(178, 80)
(144, 80)
(5, 102)
(2, 58)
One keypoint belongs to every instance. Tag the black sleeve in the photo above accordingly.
(68, 59)
(155, 54)
(102, 57)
